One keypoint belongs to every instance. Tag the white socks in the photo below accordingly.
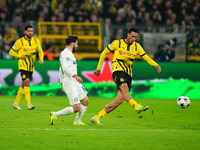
(65, 111)
(70, 110)
(80, 113)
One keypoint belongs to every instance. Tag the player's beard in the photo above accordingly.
(29, 36)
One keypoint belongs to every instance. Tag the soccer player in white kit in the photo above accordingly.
(71, 84)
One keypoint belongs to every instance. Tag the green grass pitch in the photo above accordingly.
(164, 126)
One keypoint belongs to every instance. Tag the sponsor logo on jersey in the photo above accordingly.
(23, 76)
(29, 49)
(122, 79)
(126, 53)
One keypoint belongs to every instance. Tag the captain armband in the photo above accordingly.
(39, 47)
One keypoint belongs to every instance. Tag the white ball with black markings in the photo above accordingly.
(183, 101)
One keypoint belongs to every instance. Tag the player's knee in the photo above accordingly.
(123, 87)
(77, 107)
(85, 101)
(27, 82)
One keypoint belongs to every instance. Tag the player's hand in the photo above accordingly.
(78, 78)
(97, 72)
(41, 62)
(158, 68)
(24, 57)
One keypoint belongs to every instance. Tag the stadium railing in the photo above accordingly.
(55, 33)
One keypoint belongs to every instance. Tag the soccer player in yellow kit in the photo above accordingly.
(125, 51)
(25, 49)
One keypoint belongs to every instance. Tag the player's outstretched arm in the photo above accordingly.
(158, 68)
(101, 59)
(41, 62)
(151, 62)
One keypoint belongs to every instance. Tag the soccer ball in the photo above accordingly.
(183, 101)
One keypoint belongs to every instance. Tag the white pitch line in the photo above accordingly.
(51, 129)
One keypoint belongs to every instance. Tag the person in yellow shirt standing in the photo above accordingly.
(125, 51)
(25, 49)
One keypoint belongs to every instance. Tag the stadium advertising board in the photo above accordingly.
(48, 73)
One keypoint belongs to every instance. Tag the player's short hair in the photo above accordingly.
(28, 26)
(133, 30)
(71, 39)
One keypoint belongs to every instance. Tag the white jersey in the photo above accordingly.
(68, 63)
(74, 90)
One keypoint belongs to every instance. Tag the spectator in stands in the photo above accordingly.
(1, 41)
(5, 51)
(18, 24)
(119, 34)
(194, 47)
(3, 17)
(10, 34)
(164, 54)
(126, 9)
(187, 21)
(48, 52)
(56, 53)
(111, 11)
(61, 17)
(18, 12)
(53, 18)
(169, 25)
(70, 19)
(162, 30)
(10, 7)
(195, 15)
(164, 15)
(157, 18)
(130, 23)
(93, 18)
(79, 17)
(30, 12)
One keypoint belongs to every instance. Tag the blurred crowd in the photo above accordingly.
(151, 15)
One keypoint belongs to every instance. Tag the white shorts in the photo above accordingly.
(74, 90)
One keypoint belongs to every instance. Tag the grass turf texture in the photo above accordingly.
(164, 126)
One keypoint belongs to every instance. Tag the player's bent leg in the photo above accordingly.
(110, 107)
(27, 93)
(124, 90)
(80, 113)
(125, 93)
(20, 94)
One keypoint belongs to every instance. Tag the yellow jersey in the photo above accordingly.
(27, 47)
(124, 55)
